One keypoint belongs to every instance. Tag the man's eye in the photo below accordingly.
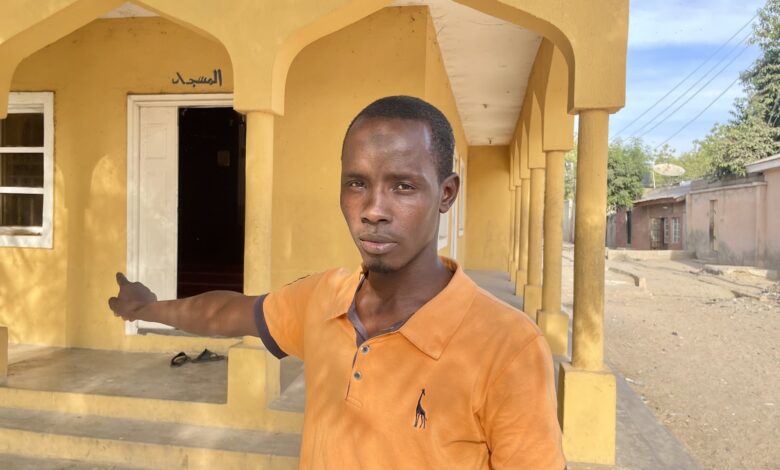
(355, 184)
(404, 187)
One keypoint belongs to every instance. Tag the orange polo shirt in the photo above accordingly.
(465, 383)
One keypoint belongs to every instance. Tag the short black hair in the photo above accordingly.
(409, 107)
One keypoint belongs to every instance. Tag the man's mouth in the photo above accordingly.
(376, 245)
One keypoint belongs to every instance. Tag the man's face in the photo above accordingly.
(391, 196)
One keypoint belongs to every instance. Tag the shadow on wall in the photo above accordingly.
(97, 250)
(33, 282)
(699, 242)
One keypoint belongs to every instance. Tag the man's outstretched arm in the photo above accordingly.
(215, 313)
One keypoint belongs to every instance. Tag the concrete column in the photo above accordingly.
(518, 208)
(589, 232)
(553, 323)
(522, 237)
(587, 393)
(532, 291)
(253, 380)
(3, 354)
(518, 222)
(259, 191)
(512, 234)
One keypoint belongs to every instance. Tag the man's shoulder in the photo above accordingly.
(329, 285)
(331, 277)
(490, 317)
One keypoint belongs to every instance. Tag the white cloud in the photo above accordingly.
(655, 23)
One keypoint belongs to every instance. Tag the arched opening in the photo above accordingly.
(173, 213)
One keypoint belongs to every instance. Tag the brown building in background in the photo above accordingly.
(656, 222)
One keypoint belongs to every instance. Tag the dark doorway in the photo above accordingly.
(628, 228)
(211, 200)
(713, 238)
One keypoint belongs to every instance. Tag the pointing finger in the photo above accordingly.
(121, 279)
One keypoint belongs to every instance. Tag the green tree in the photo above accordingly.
(696, 163)
(570, 172)
(626, 169)
(762, 79)
(732, 146)
(754, 131)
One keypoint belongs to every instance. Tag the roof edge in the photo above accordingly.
(764, 164)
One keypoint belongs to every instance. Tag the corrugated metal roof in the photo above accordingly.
(667, 192)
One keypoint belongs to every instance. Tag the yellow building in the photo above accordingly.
(195, 145)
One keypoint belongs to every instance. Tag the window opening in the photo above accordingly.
(27, 171)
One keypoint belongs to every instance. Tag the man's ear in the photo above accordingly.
(449, 191)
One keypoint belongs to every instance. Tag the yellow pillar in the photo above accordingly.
(518, 208)
(259, 190)
(553, 323)
(3, 354)
(532, 291)
(589, 232)
(512, 234)
(587, 394)
(518, 221)
(524, 196)
(253, 381)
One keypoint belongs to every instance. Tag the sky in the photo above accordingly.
(669, 39)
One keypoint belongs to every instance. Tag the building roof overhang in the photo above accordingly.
(764, 164)
(488, 82)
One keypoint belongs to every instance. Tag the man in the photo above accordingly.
(408, 363)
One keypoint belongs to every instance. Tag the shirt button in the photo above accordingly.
(365, 349)
(357, 375)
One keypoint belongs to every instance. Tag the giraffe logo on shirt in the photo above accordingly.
(420, 419)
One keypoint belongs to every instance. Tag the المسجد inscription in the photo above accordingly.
(214, 79)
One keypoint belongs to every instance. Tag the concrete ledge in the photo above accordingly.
(639, 281)
(720, 269)
(521, 278)
(646, 255)
(555, 326)
(532, 300)
(147, 444)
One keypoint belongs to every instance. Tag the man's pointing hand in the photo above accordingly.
(132, 298)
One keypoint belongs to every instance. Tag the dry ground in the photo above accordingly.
(703, 352)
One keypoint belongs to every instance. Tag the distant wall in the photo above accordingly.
(488, 206)
(772, 237)
(736, 223)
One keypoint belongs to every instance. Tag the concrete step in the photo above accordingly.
(128, 443)
(20, 462)
(143, 386)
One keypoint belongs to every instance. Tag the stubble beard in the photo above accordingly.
(379, 267)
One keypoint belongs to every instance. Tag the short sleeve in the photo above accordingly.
(520, 413)
(280, 317)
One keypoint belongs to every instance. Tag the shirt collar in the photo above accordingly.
(432, 326)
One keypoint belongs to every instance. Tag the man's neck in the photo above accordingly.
(387, 298)
(424, 273)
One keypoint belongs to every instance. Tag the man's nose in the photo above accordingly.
(376, 209)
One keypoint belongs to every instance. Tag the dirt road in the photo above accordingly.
(703, 352)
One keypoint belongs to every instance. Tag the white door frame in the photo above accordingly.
(134, 105)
